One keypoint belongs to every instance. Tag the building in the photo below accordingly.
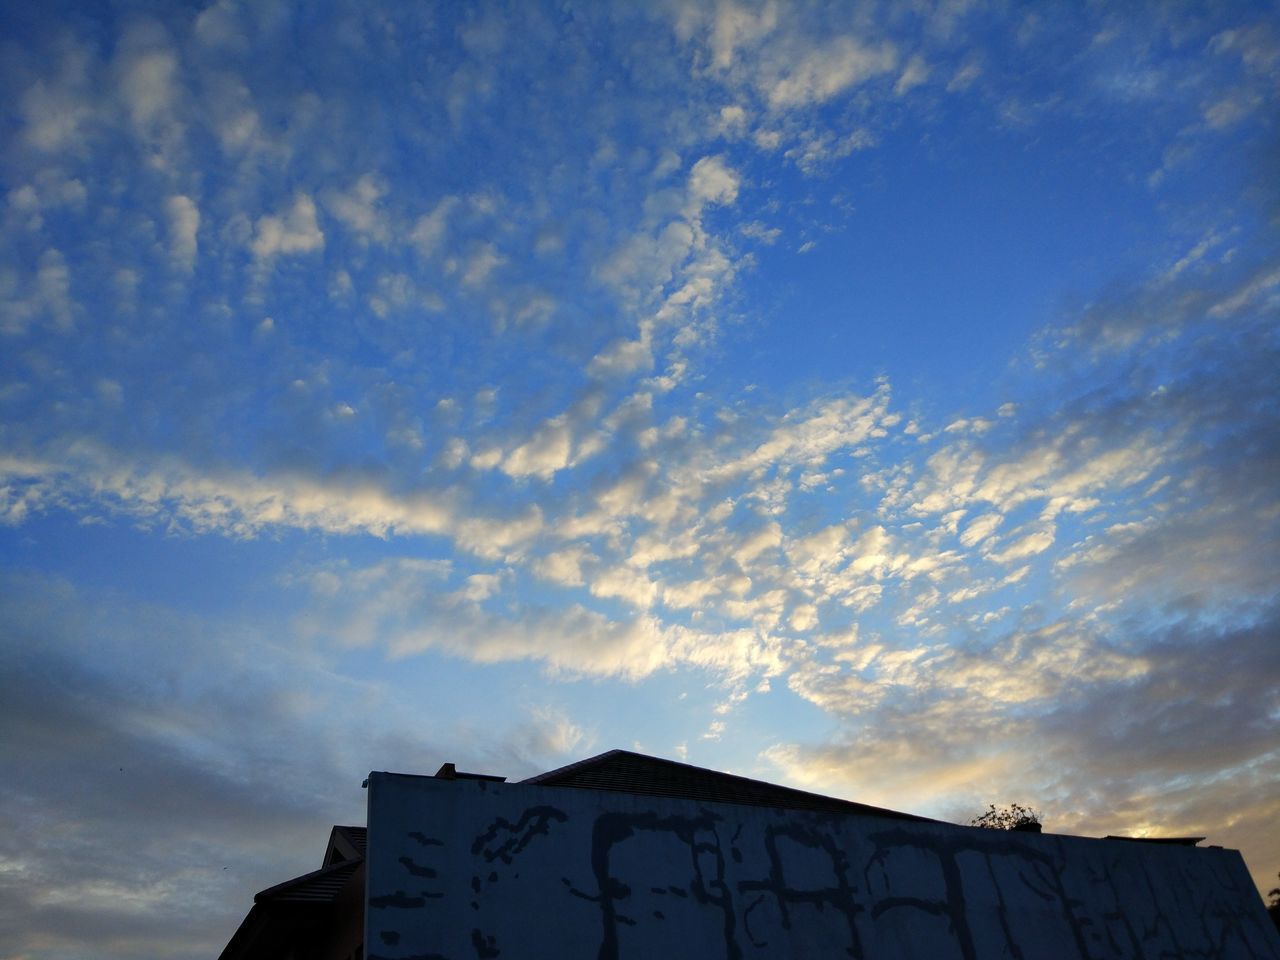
(624, 855)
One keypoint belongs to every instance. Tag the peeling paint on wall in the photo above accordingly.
(462, 869)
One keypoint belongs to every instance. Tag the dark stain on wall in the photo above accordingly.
(536, 821)
(814, 864)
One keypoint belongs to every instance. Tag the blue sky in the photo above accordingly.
(874, 398)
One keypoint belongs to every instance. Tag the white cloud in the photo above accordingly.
(47, 296)
(821, 73)
(184, 225)
(965, 75)
(622, 358)
(808, 436)
(711, 181)
(804, 618)
(980, 528)
(735, 25)
(58, 109)
(360, 208)
(241, 504)
(430, 229)
(548, 450)
(752, 545)
(481, 262)
(562, 566)
(817, 149)
(758, 231)
(148, 84)
(825, 548)
(147, 71)
(295, 231)
(624, 583)
(915, 73)
(1025, 545)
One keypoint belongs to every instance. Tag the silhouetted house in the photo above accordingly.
(318, 915)
(624, 855)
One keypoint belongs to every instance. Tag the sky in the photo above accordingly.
(875, 398)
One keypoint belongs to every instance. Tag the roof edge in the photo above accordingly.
(549, 778)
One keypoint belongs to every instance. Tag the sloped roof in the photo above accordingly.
(622, 771)
(320, 886)
(345, 843)
(287, 914)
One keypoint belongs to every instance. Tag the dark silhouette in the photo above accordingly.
(1012, 817)
(1273, 905)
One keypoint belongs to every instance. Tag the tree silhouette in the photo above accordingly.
(1014, 816)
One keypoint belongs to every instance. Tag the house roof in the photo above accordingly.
(622, 771)
(319, 886)
(1176, 841)
(345, 843)
(284, 916)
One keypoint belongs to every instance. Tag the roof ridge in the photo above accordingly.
(577, 764)
(557, 777)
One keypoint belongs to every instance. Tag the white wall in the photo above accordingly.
(462, 869)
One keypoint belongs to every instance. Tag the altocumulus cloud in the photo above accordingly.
(404, 384)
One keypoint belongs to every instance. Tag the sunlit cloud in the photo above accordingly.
(878, 403)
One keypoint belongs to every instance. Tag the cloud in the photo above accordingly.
(217, 756)
(430, 229)
(295, 231)
(914, 74)
(613, 501)
(409, 614)
(184, 225)
(239, 504)
(58, 109)
(759, 231)
(965, 75)
(980, 528)
(734, 26)
(359, 208)
(147, 71)
(622, 358)
(1027, 544)
(177, 769)
(711, 181)
(480, 263)
(147, 83)
(806, 437)
(821, 73)
(547, 451)
(817, 150)
(47, 297)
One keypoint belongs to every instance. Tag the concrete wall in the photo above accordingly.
(461, 869)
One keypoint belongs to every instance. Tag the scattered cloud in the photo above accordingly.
(295, 231)
(435, 391)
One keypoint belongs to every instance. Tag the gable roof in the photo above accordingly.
(623, 771)
(345, 843)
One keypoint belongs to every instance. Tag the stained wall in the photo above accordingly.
(461, 869)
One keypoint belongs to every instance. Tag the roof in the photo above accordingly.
(290, 915)
(622, 771)
(345, 843)
(320, 886)
(1177, 841)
